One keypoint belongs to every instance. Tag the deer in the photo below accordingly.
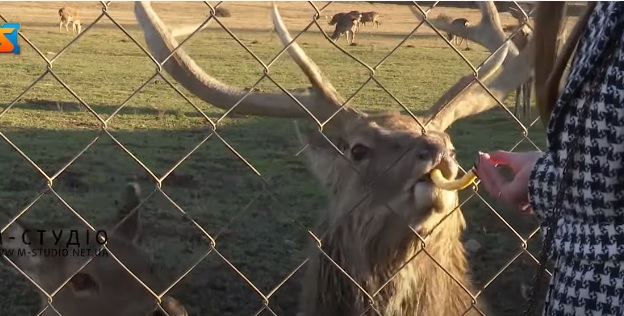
(70, 15)
(371, 16)
(358, 17)
(389, 242)
(99, 287)
(342, 16)
(460, 25)
(345, 24)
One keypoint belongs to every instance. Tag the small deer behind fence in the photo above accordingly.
(346, 24)
(101, 288)
(370, 17)
(337, 18)
(70, 15)
(383, 209)
(459, 26)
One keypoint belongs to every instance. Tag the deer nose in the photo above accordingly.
(431, 152)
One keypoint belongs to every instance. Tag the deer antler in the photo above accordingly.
(467, 97)
(522, 32)
(488, 32)
(321, 100)
(519, 14)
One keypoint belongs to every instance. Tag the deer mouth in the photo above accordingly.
(447, 166)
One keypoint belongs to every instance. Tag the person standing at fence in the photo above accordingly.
(575, 187)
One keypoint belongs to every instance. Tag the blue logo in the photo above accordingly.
(8, 38)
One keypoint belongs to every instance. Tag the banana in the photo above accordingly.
(452, 185)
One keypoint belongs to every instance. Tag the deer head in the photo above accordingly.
(375, 167)
(369, 143)
(102, 286)
(522, 32)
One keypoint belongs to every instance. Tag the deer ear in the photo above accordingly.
(322, 158)
(129, 215)
(84, 285)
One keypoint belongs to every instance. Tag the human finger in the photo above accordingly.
(489, 176)
(526, 208)
(505, 158)
(510, 192)
(517, 161)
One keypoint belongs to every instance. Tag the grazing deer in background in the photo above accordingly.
(460, 23)
(345, 23)
(103, 287)
(356, 16)
(371, 16)
(70, 15)
(374, 210)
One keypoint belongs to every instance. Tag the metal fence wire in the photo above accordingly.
(521, 119)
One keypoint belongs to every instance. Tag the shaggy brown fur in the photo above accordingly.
(370, 239)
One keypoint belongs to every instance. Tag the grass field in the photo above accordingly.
(261, 234)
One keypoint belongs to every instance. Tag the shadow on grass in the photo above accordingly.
(107, 109)
(257, 209)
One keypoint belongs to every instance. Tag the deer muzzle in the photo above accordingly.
(443, 179)
(452, 184)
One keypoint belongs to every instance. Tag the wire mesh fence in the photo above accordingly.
(71, 282)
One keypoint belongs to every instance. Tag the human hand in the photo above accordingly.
(514, 192)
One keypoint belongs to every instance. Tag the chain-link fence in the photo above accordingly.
(222, 277)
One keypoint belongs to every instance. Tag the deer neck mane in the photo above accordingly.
(362, 244)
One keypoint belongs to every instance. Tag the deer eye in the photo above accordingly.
(453, 153)
(359, 152)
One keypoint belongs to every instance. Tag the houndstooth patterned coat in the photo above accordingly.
(587, 125)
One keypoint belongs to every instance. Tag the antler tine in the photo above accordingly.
(474, 99)
(489, 32)
(467, 97)
(184, 70)
(321, 85)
